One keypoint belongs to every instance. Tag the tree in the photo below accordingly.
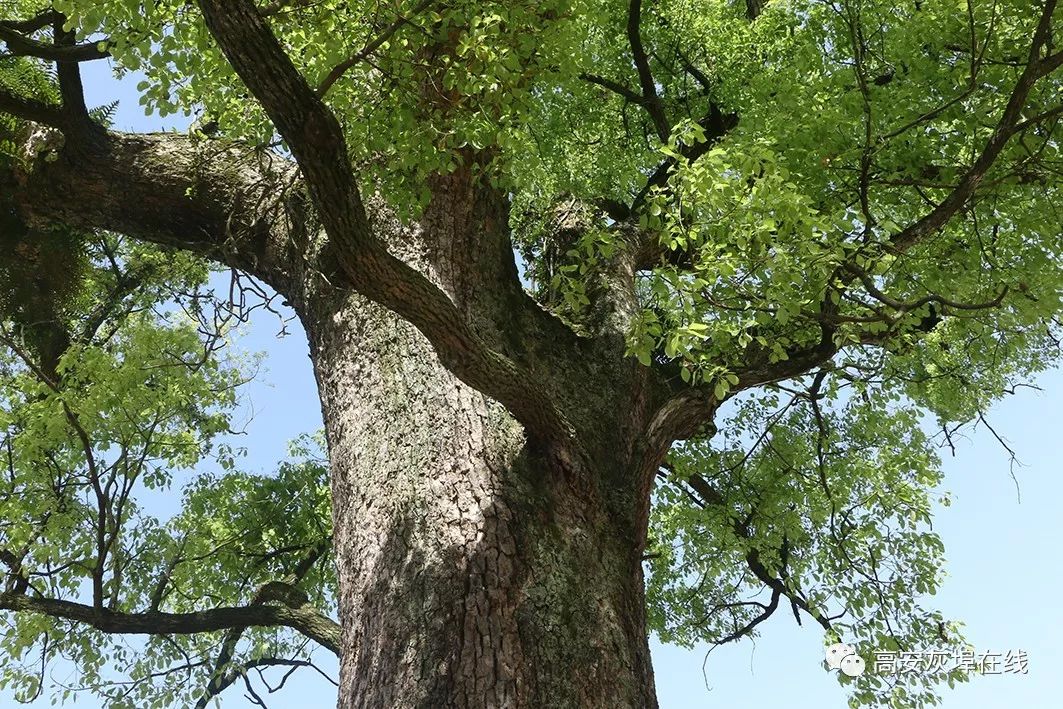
(767, 247)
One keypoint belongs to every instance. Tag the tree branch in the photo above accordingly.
(651, 101)
(221, 201)
(1007, 126)
(317, 142)
(706, 495)
(31, 109)
(18, 44)
(304, 619)
(690, 407)
(340, 69)
(71, 89)
(716, 125)
(42, 19)
(615, 87)
(221, 679)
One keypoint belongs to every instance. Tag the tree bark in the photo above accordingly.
(473, 571)
(491, 468)
(478, 566)
(481, 563)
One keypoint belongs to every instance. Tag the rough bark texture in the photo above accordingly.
(477, 568)
(490, 472)
(480, 565)
(491, 468)
(471, 573)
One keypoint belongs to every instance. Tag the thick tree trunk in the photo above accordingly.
(478, 566)
(472, 572)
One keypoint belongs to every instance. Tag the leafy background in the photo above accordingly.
(1001, 553)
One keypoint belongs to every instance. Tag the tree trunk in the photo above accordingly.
(479, 566)
(474, 571)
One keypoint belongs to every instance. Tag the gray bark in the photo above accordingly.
(482, 563)
(473, 571)
(491, 469)
(478, 566)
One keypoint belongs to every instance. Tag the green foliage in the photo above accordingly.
(24, 77)
(141, 396)
(450, 81)
(833, 498)
(847, 122)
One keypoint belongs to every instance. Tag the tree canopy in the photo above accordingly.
(840, 218)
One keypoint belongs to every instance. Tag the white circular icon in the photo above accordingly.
(842, 656)
(853, 665)
(838, 652)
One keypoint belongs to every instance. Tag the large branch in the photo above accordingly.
(303, 619)
(42, 19)
(68, 73)
(32, 109)
(221, 201)
(651, 100)
(691, 408)
(317, 142)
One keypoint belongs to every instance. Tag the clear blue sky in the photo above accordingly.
(1004, 556)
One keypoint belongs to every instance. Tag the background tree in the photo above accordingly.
(766, 245)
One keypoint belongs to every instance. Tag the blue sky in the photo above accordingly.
(1004, 555)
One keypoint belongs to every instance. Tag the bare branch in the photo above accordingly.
(1039, 118)
(71, 89)
(304, 619)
